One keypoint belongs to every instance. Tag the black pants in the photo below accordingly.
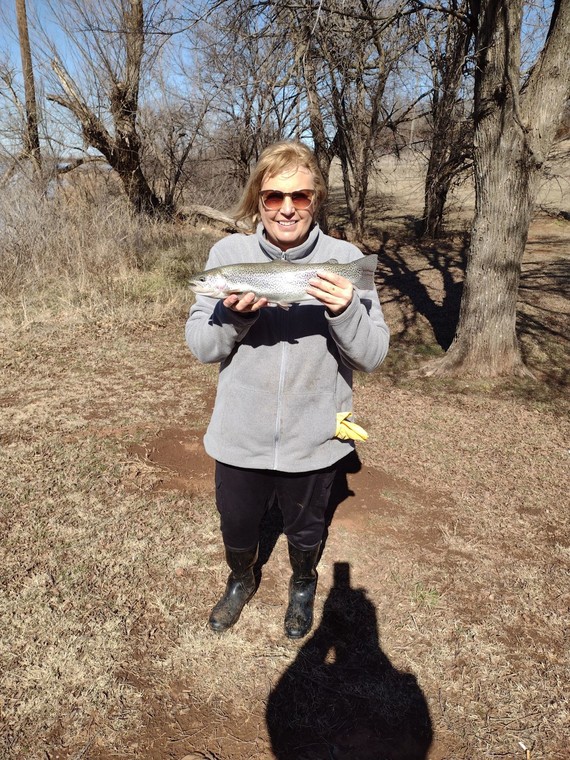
(244, 495)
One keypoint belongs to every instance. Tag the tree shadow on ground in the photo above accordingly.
(404, 281)
(442, 256)
(542, 319)
(342, 699)
(338, 217)
(550, 277)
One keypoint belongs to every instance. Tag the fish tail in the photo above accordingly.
(366, 267)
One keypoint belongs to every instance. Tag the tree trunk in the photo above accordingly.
(137, 189)
(322, 147)
(225, 222)
(435, 194)
(32, 137)
(356, 155)
(449, 142)
(486, 342)
(508, 157)
(448, 154)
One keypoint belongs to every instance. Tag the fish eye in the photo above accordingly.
(202, 279)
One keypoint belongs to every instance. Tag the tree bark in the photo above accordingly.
(32, 137)
(508, 158)
(195, 211)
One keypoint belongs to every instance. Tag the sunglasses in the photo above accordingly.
(273, 200)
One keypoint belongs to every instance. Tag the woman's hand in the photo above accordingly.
(244, 303)
(334, 291)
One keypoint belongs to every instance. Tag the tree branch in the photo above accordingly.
(93, 128)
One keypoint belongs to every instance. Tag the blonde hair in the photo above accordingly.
(275, 159)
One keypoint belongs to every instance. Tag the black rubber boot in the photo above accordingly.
(302, 588)
(239, 589)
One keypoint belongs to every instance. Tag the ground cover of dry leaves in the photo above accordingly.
(441, 625)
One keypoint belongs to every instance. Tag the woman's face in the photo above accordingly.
(287, 226)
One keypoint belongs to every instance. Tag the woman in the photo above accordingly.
(284, 377)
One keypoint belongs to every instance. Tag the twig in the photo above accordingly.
(525, 749)
(81, 752)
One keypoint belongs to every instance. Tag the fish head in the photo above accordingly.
(212, 283)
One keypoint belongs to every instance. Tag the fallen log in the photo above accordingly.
(196, 212)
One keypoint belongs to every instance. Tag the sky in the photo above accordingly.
(8, 28)
(39, 11)
(533, 32)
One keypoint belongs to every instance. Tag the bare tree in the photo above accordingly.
(114, 42)
(297, 24)
(447, 40)
(13, 117)
(25, 133)
(247, 77)
(365, 97)
(514, 131)
(337, 61)
(170, 130)
(345, 55)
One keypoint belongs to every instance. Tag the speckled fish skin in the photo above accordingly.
(281, 282)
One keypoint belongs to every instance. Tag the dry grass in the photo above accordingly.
(75, 260)
(459, 556)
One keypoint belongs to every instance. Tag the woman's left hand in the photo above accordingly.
(334, 291)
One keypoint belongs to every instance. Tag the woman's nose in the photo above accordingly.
(287, 206)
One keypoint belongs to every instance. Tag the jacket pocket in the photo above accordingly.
(309, 420)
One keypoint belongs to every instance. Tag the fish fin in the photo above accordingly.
(366, 270)
(283, 305)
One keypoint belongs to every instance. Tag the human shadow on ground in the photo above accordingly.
(342, 699)
(272, 523)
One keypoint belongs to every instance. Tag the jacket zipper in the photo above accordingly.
(276, 436)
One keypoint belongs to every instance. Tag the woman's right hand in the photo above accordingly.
(244, 303)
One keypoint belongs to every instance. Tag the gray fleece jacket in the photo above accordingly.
(284, 375)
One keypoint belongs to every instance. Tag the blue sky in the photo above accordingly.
(8, 28)
(535, 29)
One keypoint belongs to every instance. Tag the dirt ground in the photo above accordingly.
(441, 623)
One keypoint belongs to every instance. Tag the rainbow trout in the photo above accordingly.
(281, 282)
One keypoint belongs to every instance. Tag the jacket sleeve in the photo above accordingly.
(360, 332)
(212, 330)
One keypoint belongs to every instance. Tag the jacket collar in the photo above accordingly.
(303, 251)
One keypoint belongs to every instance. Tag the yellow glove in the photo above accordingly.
(346, 430)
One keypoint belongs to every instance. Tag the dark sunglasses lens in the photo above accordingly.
(273, 201)
(301, 200)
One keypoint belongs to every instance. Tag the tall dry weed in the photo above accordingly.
(77, 257)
